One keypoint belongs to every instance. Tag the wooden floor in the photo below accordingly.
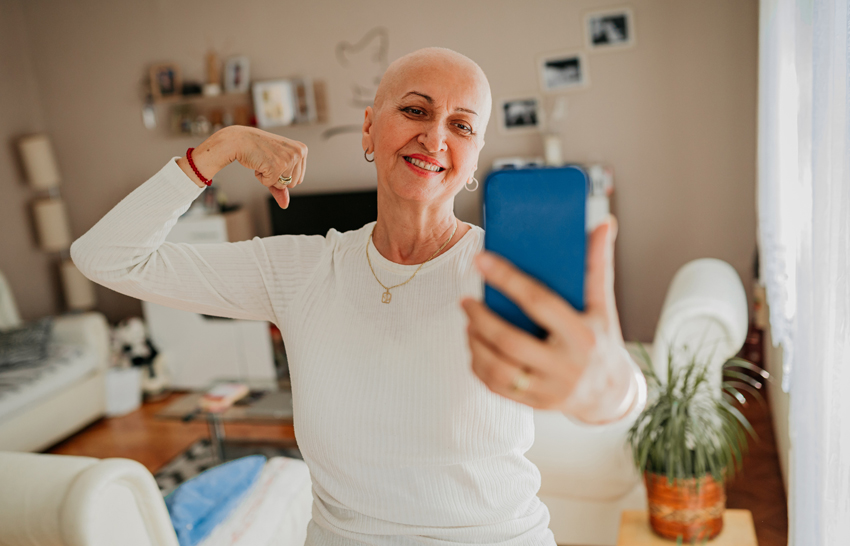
(154, 442)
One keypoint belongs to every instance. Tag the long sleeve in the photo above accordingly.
(126, 252)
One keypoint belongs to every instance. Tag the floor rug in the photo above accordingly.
(199, 457)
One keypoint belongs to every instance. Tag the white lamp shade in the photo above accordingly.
(39, 162)
(51, 222)
(79, 291)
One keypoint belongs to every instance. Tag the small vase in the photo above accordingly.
(682, 510)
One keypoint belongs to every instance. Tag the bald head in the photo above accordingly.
(433, 63)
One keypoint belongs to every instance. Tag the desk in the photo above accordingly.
(738, 530)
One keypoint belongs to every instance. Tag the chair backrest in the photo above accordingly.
(705, 316)
(9, 316)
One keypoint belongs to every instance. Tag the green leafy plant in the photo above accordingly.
(686, 430)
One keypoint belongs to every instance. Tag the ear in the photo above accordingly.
(367, 129)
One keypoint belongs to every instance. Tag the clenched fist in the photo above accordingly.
(270, 156)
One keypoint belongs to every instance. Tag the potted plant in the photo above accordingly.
(690, 439)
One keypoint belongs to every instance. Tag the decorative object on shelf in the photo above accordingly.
(562, 71)
(39, 162)
(192, 89)
(610, 29)
(165, 81)
(518, 163)
(50, 218)
(520, 115)
(237, 75)
(552, 150)
(79, 291)
(274, 103)
(305, 101)
(687, 441)
(51, 223)
(149, 114)
(212, 87)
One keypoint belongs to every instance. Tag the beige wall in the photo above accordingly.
(30, 272)
(675, 115)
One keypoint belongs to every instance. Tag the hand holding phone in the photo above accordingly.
(535, 218)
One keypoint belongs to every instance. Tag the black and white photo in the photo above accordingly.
(520, 114)
(562, 71)
(610, 29)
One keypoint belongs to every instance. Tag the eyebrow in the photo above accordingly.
(429, 100)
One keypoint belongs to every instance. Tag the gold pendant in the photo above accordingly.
(386, 297)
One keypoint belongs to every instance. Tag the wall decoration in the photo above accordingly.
(237, 75)
(520, 115)
(165, 80)
(364, 63)
(610, 29)
(274, 103)
(559, 72)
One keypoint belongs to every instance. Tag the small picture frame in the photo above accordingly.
(563, 71)
(520, 114)
(274, 103)
(610, 29)
(237, 75)
(165, 80)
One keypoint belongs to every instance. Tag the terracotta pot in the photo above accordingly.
(682, 510)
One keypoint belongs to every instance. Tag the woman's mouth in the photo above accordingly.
(423, 164)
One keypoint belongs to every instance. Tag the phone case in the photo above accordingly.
(536, 219)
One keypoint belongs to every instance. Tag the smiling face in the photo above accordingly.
(427, 125)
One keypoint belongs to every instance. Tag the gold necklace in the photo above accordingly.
(386, 297)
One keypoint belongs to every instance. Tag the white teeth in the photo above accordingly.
(422, 164)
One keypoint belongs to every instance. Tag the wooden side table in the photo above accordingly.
(738, 530)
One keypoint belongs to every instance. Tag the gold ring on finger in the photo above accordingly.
(285, 180)
(521, 382)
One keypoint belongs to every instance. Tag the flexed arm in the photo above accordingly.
(126, 250)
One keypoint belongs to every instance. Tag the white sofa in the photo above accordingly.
(67, 394)
(588, 477)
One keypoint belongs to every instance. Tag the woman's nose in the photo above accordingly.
(433, 138)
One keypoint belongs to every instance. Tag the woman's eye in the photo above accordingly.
(414, 111)
(464, 127)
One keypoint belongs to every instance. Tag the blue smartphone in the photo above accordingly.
(535, 218)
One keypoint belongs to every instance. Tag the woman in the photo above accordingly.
(405, 443)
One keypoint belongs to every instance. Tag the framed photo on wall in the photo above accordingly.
(562, 71)
(274, 103)
(237, 75)
(165, 80)
(610, 29)
(520, 115)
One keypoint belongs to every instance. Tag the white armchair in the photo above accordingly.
(60, 500)
(588, 477)
(80, 501)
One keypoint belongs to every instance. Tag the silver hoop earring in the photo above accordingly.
(473, 188)
(366, 156)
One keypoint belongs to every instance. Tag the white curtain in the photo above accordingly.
(804, 236)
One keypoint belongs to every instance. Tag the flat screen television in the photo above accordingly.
(315, 214)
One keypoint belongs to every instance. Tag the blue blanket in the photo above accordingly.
(201, 503)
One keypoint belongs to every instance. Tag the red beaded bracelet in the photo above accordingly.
(206, 181)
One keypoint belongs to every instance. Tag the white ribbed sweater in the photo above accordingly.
(404, 443)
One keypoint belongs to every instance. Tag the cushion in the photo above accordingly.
(26, 344)
(202, 502)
